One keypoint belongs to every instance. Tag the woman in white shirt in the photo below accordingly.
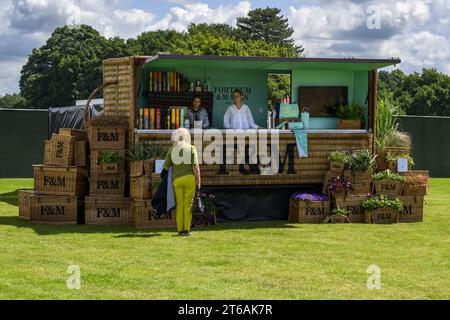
(238, 115)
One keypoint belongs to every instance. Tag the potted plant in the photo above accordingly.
(109, 161)
(156, 155)
(338, 216)
(388, 183)
(308, 207)
(339, 186)
(415, 185)
(137, 155)
(389, 139)
(382, 209)
(338, 160)
(350, 116)
(359, 166)
(391, 159)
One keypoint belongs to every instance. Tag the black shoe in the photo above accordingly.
(181, 233)
(188, 233)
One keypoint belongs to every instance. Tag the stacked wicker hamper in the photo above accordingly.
(107, 204)
(60, 183)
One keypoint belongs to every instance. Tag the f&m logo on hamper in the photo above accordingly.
(108, 212)
(107, 184)
(54, 181)
(315, 211)
(52, 210)
(107, 136)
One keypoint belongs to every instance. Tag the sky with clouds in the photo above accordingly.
(417, 31)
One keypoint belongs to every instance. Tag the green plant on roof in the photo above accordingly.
(387, 175)
(353, 111)
(109, 157)
(382, 201)
(360, 161)
(339, 156)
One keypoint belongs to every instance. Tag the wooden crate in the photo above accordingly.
(96, 166)
(361, 188)
(106, 138)
(353, 204)
(80, 154)
(63, 181)
(141, 187)
(107, 184)
(308, 211)
(389, 187)
(144, 216)
(106, 210)
(412, 208)
(381, 216)
(53, 209)
(24, 203)
(79, 135)
(59, 151)
(141, 167)
(336, 168)
(349, 124)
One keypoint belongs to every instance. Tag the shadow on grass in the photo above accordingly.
(131, 232)
(10, 197)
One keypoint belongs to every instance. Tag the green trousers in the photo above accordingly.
(185, 188)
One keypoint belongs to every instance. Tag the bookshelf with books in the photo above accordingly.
(168, 100)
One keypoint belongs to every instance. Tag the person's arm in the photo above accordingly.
(205, 119)
(227, 119)
(252, 123)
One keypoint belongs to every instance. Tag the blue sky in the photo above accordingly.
(417, 31)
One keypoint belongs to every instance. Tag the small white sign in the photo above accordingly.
(158, 166)
(402, 165)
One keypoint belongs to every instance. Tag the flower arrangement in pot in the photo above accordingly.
(338, 216)
(391, 159)
(156, 153)
(209, 215)
(338, 160)
(359, 166)
(350, 116)
(339, 186)
(109, 161)
(415, 185)
(382, 209)
(308, 207)
(388, 183)
(137, 155)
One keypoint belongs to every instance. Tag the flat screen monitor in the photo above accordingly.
(320, 100)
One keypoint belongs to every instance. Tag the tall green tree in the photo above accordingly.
(68, 67)
(152, 42)
(426, 93)
(13, 101)
(268, 25)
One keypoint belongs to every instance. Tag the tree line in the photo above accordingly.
(68, 66)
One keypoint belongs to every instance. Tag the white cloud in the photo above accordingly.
(417, 31)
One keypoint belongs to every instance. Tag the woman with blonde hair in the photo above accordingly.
(182, 156)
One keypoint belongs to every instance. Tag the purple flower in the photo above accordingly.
(310, 196)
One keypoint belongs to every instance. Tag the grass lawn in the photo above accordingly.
(249, 260)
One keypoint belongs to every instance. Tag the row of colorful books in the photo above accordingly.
(165, 81)
(161, 118)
